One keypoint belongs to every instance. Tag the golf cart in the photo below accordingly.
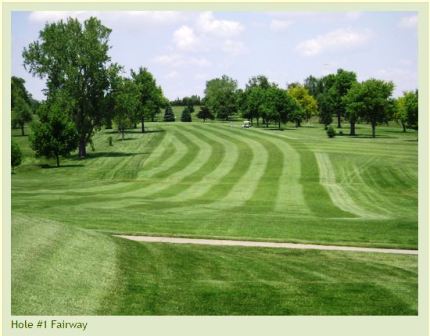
(246, 124)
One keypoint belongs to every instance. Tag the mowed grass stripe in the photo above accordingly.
(209, 157)
(246, 183)
(223, 155)
(337, 193)
(290, 197)
(316, 197)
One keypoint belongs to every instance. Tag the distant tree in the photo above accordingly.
(307, 103)
(15, 155)
(126, 102)
(331, 133)
(186, 114)
(168, 114)
(343, 81)
(205, 113)
(151, 95)
(55, 134)
(406, 111)
(18, 91)
(370, 101)
(73, 57)
(252, 99)
(21, 114)
(311, 84)
(220, 97)
(279, 105)
(325, 108)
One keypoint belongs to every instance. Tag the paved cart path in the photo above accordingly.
(219, 242)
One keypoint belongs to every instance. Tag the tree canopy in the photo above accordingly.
(73, 58)
(220, 96)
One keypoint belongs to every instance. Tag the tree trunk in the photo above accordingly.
(338, 121)
(258, 122)
(279, 123)
(22, 129)
(82, 148)
(58, 160)
(122, 134)
(135, 125)
(373, 130)
(404, 126)
(352, 129)
(143, 124)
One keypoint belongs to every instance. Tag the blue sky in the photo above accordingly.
(185, 49)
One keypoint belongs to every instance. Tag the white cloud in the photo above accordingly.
(206, 23)
(172, 75)
(185, 38)
(280, 25)
(178, 60)
(341, 38)
(233, 47)
(404, 79)
(409, 22)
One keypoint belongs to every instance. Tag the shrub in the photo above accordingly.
(331, 133)
(186, 115)
(168, 114)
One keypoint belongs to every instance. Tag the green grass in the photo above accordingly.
(218, 180)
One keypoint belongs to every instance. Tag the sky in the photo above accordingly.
(183, 50)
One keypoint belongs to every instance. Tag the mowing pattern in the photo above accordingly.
(220, 180)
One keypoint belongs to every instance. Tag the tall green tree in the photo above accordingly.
(126, 103)
(21, 114)
(370, 101)
(55, 134)
(406, 110)
(343, 81)
(15, 155)
(279, 106)
(220, 97)
(73, 57)
(18, 91)
(150, 96)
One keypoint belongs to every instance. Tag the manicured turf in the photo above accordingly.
(218, 180)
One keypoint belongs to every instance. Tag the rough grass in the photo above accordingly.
(217, 180)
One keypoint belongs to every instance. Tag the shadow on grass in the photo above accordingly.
(48, 166)
(135, 131)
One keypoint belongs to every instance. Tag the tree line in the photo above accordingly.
(86, 91)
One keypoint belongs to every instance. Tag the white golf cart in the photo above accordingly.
(246, 124)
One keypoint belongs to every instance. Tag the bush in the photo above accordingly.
(15, 155)
(340, 132)
(168, 114)
(331, 133)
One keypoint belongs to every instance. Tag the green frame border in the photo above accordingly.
(294, 325)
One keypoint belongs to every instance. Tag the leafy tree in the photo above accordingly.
(18, 91)
(15, 155)
(168, 114)
(55, 134)
(325, 111)
(205, 113)
(331, 133)
(21, 114)
(150, 96)
(220, 96)
(307, 103)
(343, 81)
(406, 110)
(279, 106)
(186, 114)
(311, 84)
(126, 102)
(370, 101)
(73, 57)
(251, 101)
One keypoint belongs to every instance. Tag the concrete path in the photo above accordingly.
(218, 242)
